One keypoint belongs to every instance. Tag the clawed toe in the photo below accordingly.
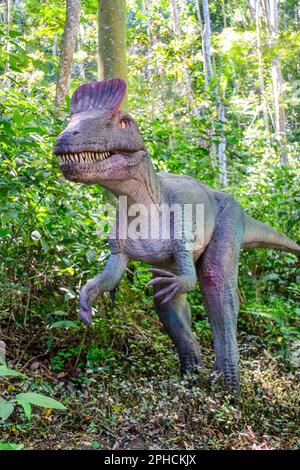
(190, 363)
(229, 373)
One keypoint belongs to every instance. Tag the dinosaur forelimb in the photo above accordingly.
(106, 281)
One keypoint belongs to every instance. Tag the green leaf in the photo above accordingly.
(26, 407)
(10, 446)
(6, 372)
(6, 409)
(39, 399)
(64, 324)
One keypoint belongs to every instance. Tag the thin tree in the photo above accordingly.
(146, 9)
(7, 22)
(112, 39)
(207, 41)
(68, 45)
(261, 66)
(218, 151)
(187, 83)
(277, 82)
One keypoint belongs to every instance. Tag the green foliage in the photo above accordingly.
(24, 399)
(10, 446)
(51, 240)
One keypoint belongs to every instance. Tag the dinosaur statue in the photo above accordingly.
(102, 145)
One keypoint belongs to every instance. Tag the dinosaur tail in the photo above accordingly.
(259, 235)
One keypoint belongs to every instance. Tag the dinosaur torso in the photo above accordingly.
(159, 252)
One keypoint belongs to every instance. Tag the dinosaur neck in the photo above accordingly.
(142, 188)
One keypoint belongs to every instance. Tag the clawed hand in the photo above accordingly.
(174, 284)
(87, 295)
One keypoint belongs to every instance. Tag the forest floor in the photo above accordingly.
(136, 398)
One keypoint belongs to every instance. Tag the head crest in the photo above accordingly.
(106, 95)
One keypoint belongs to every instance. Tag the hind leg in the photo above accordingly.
(218, 274)
(176, 318)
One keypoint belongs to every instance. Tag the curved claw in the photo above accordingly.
(160, 280)
(170, 296)
(164, 291)
(86, 315)
(85, 306)
(87, 295)
(161, 272)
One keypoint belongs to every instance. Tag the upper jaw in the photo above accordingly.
(82, 157)
(82, 165)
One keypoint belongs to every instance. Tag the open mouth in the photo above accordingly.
(84, 157)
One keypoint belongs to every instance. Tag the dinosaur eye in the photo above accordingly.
(123, 124)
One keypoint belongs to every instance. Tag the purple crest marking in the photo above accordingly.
(106, 95)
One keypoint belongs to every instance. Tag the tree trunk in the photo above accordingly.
(207, 41)
(222, 146)
(7, 22)
(261, 68)
(188, 87)
(112, 39)
(149, 32)
(176, 18)
(218, 150)
(224, 13)
(280, 126)
(67, 52)
(199, 18)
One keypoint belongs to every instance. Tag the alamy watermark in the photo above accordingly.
(136, 221)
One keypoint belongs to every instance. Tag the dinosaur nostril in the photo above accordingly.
(75, 133)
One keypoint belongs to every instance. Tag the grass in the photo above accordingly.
(120, 383)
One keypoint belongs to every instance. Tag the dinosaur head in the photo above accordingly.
(101, 143)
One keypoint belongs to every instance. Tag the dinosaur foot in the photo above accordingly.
(226, 372)
(190, 363)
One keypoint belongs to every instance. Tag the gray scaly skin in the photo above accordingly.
(102, 145)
